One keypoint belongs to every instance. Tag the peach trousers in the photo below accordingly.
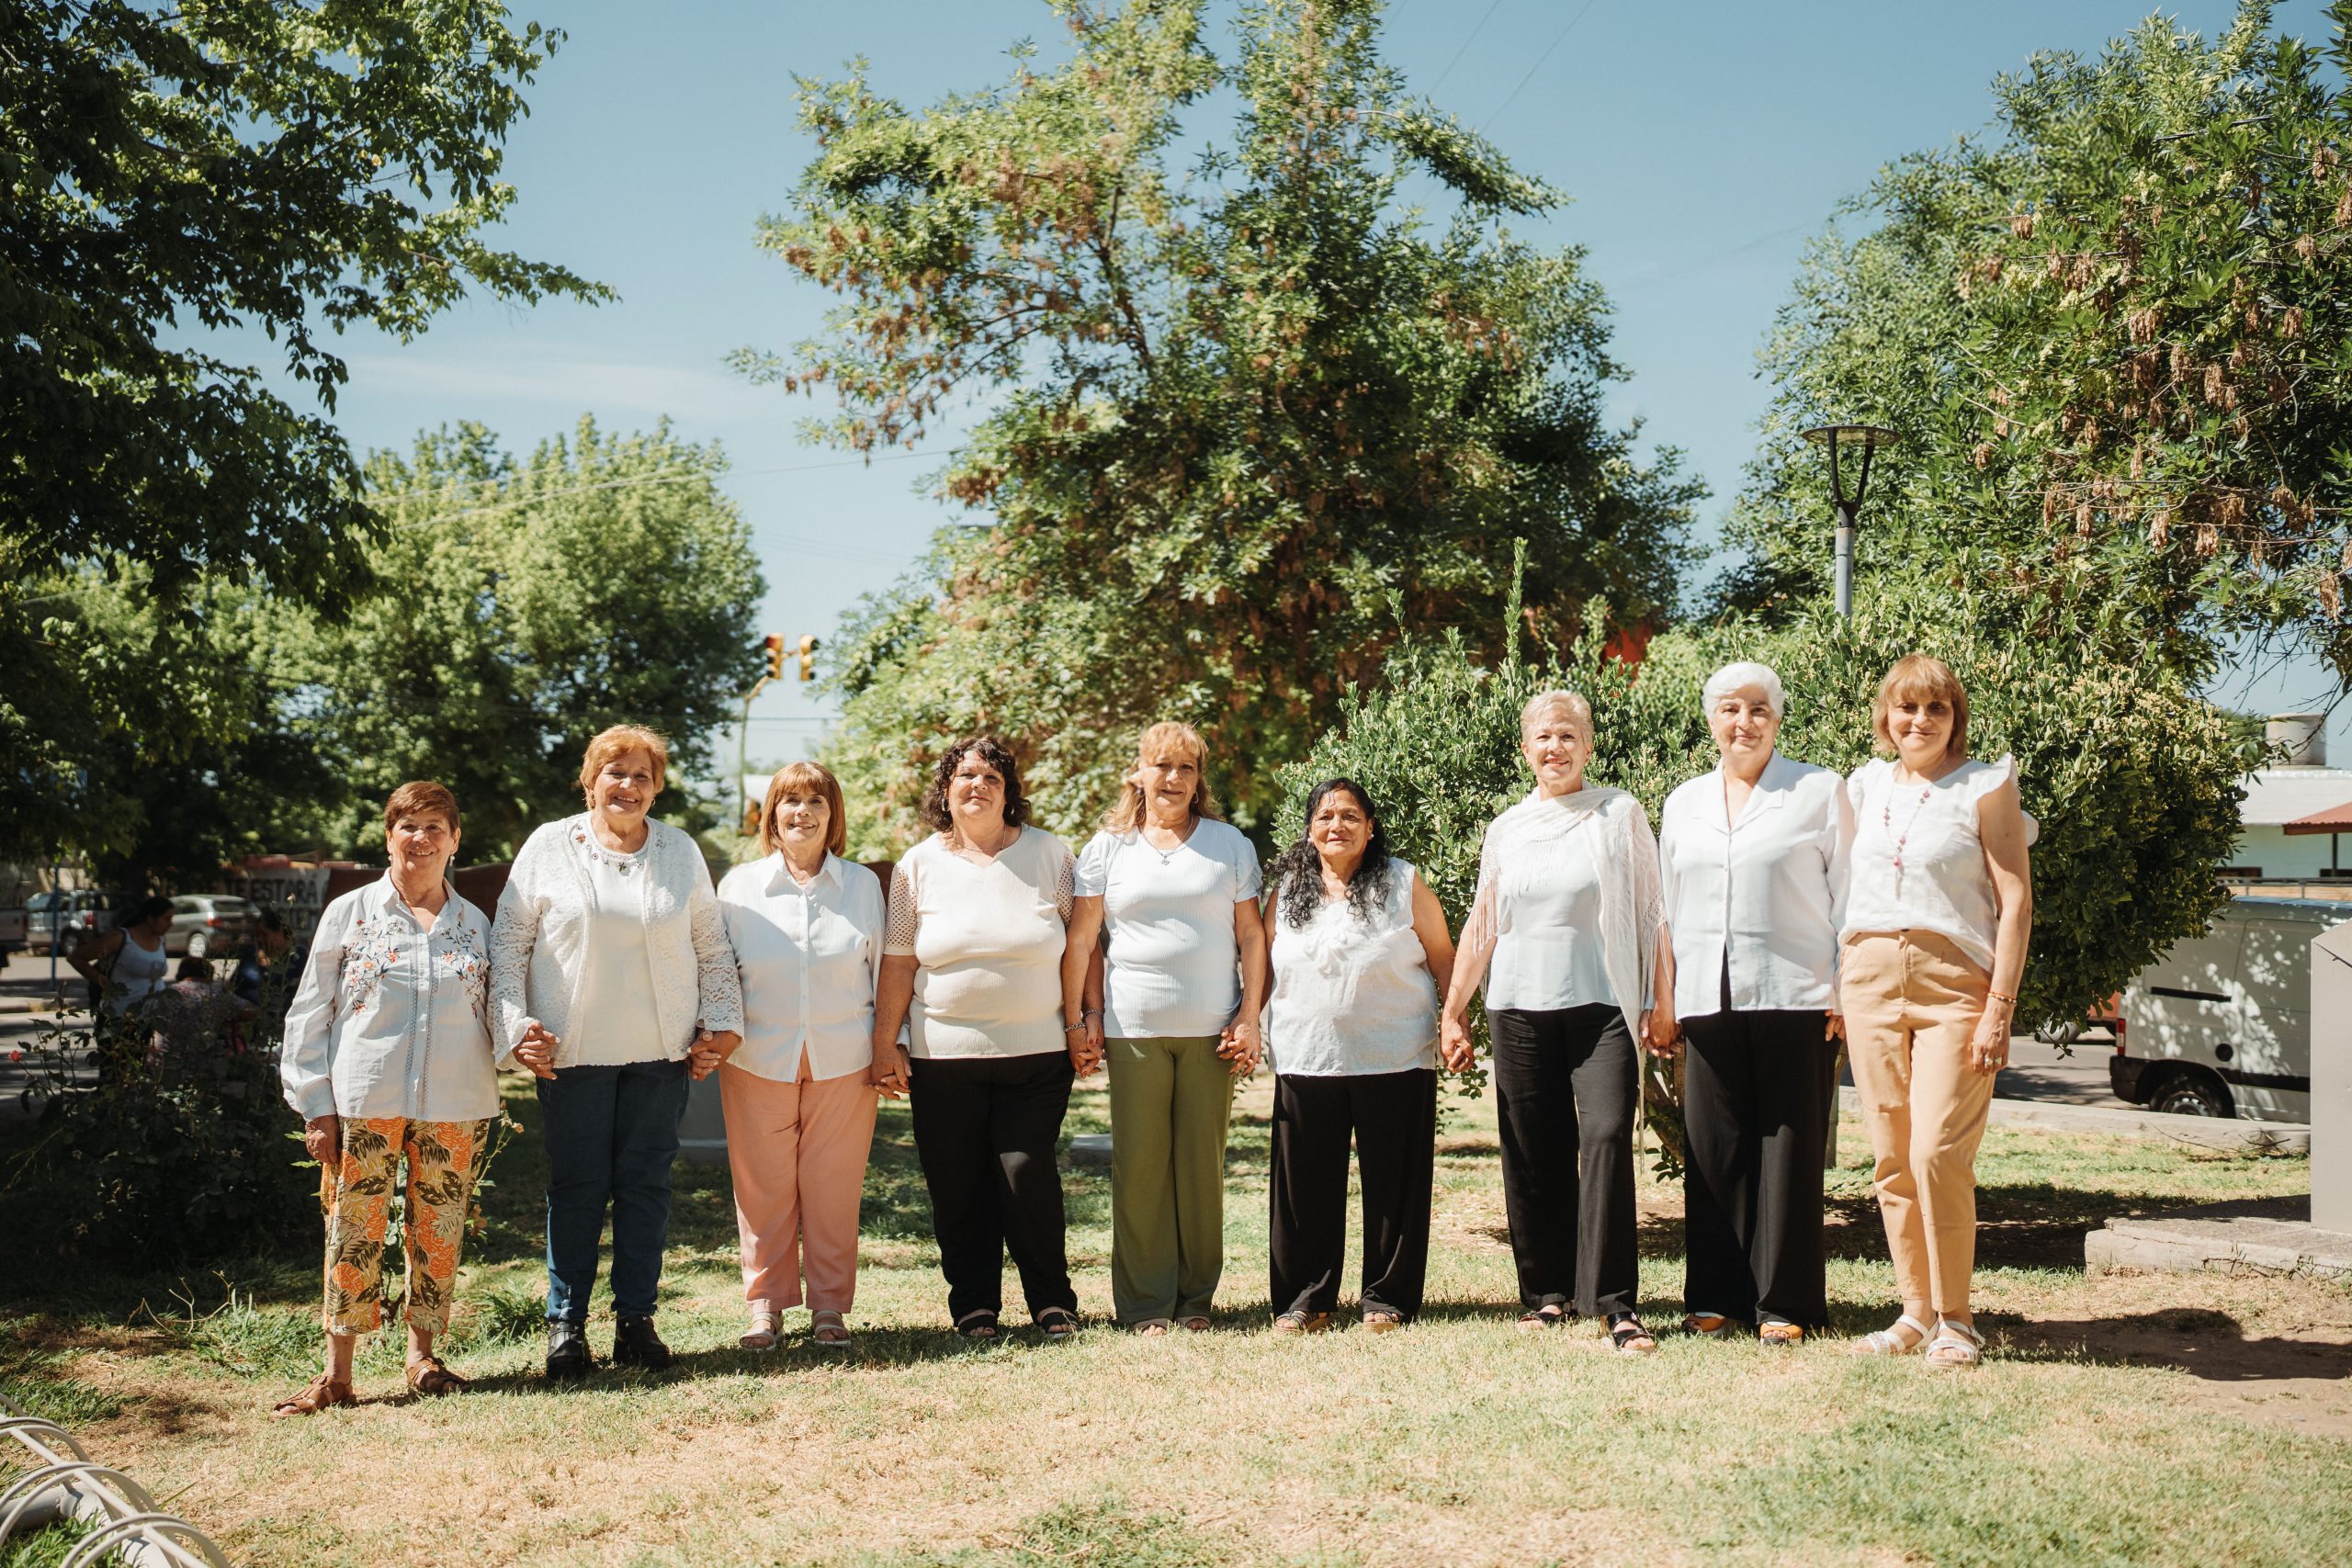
(1911, 1000)
(797, 1152)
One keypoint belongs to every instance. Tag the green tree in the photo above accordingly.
(524, 606)
(1241, 423)
(2113, 335)
(166, 173)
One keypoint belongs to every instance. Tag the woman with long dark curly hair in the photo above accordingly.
(1361, 954)
(979, 915)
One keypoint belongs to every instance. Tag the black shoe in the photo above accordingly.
(568, 1356)
(636, 1345)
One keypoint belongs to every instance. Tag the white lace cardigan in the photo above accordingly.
(1609, 826)
(540, 937)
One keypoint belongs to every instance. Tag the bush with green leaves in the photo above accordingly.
(2134, 780)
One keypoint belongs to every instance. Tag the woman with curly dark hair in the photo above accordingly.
(979, 915)
(1360, 954)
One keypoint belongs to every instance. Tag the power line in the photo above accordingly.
(1467, 40)
(1540, 59)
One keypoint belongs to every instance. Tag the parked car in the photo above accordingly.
(204, 924)
(15, 926)
(2221, 1025)
(58, 922)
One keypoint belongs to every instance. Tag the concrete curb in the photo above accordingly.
(2192, 1243)
(2128, 1121)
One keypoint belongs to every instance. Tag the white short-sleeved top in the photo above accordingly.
(1761, 896)
(1942, 883)
(1173, 968)
(1351, 994)
(987, 938)
(808, 957)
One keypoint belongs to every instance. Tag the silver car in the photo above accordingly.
(205, 924)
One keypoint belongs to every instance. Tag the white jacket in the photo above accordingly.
(539, 940)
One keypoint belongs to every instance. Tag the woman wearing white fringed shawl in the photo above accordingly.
(1566, 932)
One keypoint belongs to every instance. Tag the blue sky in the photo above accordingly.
(1701, 143)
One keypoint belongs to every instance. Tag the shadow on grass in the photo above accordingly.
(2204, 1343)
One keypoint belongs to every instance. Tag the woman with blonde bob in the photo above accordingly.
(1753, 853)
(1570, 917)
(609, 965)
(1937, 918)
(798, 1094)
(1182, 984)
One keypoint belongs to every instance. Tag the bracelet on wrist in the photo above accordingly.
(1997, 996)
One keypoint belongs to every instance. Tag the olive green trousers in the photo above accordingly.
(1170, 1102)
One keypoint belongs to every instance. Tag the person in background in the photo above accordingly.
(1360, 954)
(1938, 912)
(187, 1024)
(1570, 914)
(972, 964)
(1184, 980)
(268, 967)
(389, 1059)
(125, 967)
(609, 964)
(1753, 858)
(798, 1094)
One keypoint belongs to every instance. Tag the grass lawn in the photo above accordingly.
(2130, 1420)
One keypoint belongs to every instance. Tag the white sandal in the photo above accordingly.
(1956, 1344)
(762, 1334)
(1888, 1342)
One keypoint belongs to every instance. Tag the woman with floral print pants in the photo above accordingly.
(387, 1057)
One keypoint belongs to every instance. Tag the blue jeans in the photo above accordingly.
(612, 1134)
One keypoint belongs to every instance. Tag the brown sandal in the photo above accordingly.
(323, 1393)
(428, 1376)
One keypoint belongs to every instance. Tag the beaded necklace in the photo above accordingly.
(1886, 816)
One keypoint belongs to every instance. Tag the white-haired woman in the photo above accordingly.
(1935, 931)
(1753, 856)
(1183, 982)
(1568, 933)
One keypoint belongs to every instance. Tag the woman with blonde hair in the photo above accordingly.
(609, 965)
(798, 1094)
(1176, 890)
(1571, 919)
(1933, 943)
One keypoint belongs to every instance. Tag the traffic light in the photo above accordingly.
(807, 657)
(771, 646)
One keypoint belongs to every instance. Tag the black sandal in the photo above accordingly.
(1626, 1333)
(979, 1326)
(1060, 1324)
(1551, 1314)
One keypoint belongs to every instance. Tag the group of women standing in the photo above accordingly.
(1779, 908)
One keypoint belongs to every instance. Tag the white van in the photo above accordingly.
(2221, 1025)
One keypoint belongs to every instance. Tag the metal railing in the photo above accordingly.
(66, 1484)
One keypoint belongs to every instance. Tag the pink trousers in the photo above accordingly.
(797, 1152)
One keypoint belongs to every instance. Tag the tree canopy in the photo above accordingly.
(2114, 337)
(1238, 422)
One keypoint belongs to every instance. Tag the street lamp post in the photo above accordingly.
(1869, 439)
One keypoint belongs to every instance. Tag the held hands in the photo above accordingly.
(1238, 1044)
(536, 1050)
(321, 1138)
(889, 1071)
(1660, 1032)
(708, 1049)
(1454, 1046)
(1836, 1027)
(1085, 1042)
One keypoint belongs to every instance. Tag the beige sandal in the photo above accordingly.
(1780, 1334)
(827, 1329)
(762, 1334)
(428, 1376)
(324, 1393)
(1196, 1323)
(1303, 1323)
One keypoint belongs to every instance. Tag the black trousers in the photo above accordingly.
(1566, 1082)
(1754, 1122)
(1392, 1117)
(985, 1131)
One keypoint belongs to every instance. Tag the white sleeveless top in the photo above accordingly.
(138, 974)
(1351, 996)
(1941, 884)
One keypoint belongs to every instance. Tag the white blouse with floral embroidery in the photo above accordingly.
(391, 1018)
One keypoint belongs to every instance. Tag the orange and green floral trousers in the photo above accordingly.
(445, 1159)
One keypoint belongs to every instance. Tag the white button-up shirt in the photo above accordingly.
(1768, 892)
(393, 1018)
(809, 957)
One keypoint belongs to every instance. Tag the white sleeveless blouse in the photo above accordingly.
(1941, 882)
(1351, 996)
